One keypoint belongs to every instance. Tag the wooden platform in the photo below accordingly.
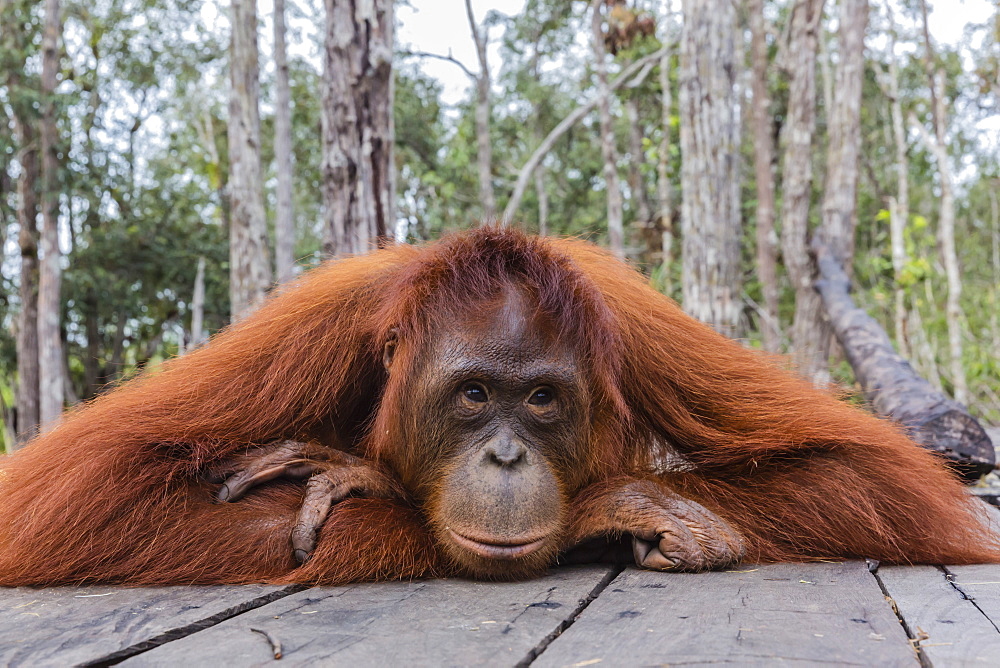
(830, 613)
(822, 613)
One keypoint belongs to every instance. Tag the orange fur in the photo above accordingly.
(113, 494)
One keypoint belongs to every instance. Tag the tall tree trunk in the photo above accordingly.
(637, 184)
(710, 175)
(640, 198)
(763, 138)
(899, 206)
(949, 255)
(995, 244)
(249, 263)
(25, 132)
(797, 142)
(484, 147)
(839, 215)
(92, 356)
(543, 200)
(664, 185)
(616, 231)
(27, 323)
(284, 219)
(50, 358)
(844, 120)
(946, 217)
(358, 181)
(198, 307)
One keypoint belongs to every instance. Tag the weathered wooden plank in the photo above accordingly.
(980, 584)
(433, 623)
(952, 631)
(77, 625)
(828, 613)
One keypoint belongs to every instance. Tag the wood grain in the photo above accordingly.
(951, 630)
(433, 623)
(825, 613)
(78, 625)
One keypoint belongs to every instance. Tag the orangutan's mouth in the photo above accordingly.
(508, 549)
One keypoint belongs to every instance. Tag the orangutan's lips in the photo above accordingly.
(505, 550)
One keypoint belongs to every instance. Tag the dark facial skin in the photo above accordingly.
(500, 406)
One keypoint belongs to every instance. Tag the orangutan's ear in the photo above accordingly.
(390, 348)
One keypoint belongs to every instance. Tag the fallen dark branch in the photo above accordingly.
(893, 386)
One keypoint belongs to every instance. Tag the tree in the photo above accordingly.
(937, 145)
(899, 205)
(484, 144)
(357, 125)
(710, 176)
(249, 262)
(664, 184)
(763, 139)
(284, 221)
(22, 98)
(839, 212)
(797, 143)
(609, 151)
(50, 357)
(633, 71)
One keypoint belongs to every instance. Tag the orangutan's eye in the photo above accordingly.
(475, 392)
(541, 397)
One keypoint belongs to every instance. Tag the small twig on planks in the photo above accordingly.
(274, 642)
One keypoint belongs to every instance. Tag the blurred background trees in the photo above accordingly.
(706, 141)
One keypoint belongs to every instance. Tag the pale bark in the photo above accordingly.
(767, 242)
(27, 322)
(284, 215)
(198, 307)
(357, 127)
(27, 219)
(543, 201)
(844, 122)
(797, 135)
(899, 206)
(825, 72)
(636, 160)
(571, 119)
(995, 244)
(839, 214)
(924, 350)
(25, 131)
(664, 186)
(484, 147)
(937, 145)
(609, 153)
(50, 356)
(710, 175)
(249, 262)
(949, 257)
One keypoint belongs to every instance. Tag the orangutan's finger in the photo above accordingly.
(285, 460)
(321, 494)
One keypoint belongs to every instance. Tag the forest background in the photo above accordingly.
(160, 172)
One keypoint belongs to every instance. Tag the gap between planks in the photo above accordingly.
(194, 627)
(534, 653)
(910, 633)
